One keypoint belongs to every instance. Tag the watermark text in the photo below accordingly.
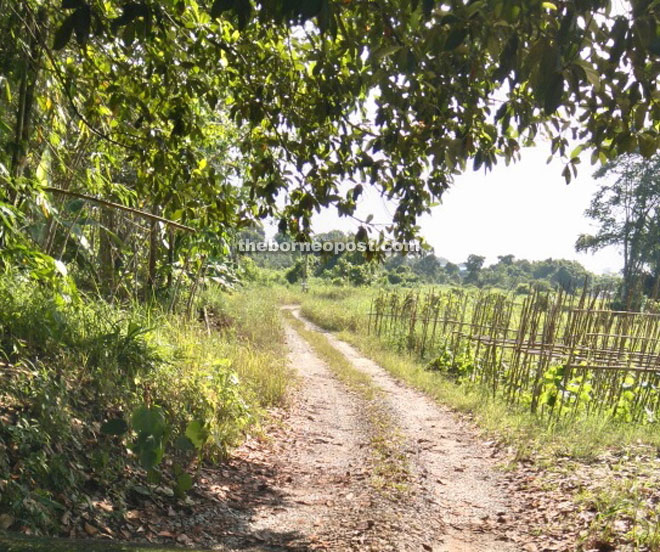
(328, 247)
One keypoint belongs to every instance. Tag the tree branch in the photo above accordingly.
(113, 205)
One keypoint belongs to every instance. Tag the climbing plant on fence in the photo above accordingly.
(554, 353)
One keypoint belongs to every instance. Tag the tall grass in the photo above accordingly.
(256, 340)
(68, 366)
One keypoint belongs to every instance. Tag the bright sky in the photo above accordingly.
(525, 209)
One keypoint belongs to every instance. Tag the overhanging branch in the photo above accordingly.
(113, 205)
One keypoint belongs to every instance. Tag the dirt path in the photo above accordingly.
(448, 463)
(325, 474)
(312, 487)
(322, 460)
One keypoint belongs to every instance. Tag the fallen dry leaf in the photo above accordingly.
(90, 529)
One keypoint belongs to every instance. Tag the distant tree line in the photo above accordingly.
(625, 209)
(354, 268)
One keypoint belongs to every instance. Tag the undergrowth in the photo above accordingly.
(101, 400)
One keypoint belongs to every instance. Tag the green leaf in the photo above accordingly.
(647, 145)
(141, 490)
(82, 24)
(149, 421)
(63, 34)
(130, 12)
(184, 444)
(507, 60)
(385, 51)
(478, 161)
(184, 483)
(640, 116)
(553, 93)
(74, 206)
(577, 151)
(116, 426)
(618, 34)
(593, 77)
(43, 169)
(455, 38)
(196, 432)
(149, 457)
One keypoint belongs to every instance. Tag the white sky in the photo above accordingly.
(525, 209)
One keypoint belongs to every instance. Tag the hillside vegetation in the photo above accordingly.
(105, 402)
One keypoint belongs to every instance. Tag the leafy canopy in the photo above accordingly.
(329, 96)
(626, 209)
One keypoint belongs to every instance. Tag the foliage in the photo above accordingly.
(627, 211)
(473, 267)
(85, 381)
(204, 113)
(355, 268)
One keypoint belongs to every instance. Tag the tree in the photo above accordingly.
(428, 267)
(251, 234)
(569, 276)
(473, 267)
(397, 95)
(453, 272)
(506, 260)
(627, 211)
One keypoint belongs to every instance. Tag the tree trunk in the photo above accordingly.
(106, 261)
(154, 232)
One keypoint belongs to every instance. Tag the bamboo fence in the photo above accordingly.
(554, 353)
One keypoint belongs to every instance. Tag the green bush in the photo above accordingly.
(81, 375)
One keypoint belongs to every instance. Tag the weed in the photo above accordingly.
(84, 375)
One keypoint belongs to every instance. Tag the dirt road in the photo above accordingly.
(313, 486)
